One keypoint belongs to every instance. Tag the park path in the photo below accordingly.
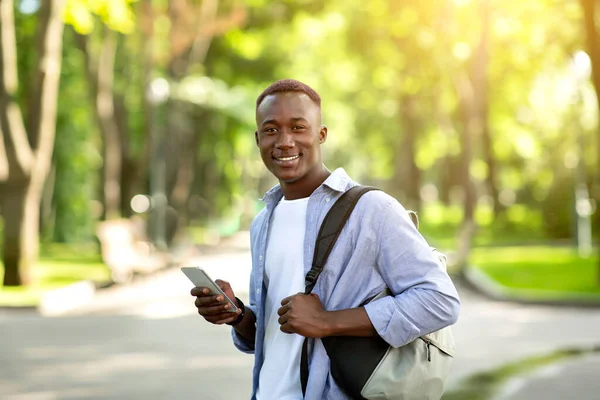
(144, 340)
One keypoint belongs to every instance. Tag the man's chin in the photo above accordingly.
(287, 176)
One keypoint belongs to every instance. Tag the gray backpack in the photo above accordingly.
(368, 367)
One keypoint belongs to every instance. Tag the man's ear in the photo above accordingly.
(323, 134)
(256, 137)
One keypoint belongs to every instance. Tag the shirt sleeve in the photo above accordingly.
(425, 299)
(238, 340)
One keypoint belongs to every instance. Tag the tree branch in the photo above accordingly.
(201, 43)
(47, 83)
(100, 74)
(189, 39)
(16, 141)
(3, 158)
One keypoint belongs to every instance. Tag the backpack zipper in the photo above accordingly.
(427, 344)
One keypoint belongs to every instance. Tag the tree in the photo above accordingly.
(590, 12)
(174, 53)
(99, 44)
(28, 144)
(471, 87)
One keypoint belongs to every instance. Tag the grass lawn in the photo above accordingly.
(549, 270)
(58, 266)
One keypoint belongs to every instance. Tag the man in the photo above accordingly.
(379, 247)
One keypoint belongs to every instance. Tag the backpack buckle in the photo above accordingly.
(311, 277)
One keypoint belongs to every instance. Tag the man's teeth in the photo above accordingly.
(287, 158)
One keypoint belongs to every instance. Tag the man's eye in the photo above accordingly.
(298, 127)
(270, 130)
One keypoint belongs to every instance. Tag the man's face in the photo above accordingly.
(289, 135)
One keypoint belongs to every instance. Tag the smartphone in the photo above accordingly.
(200, 278)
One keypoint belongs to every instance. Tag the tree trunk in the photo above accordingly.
(466, 135)
(20, 205)
(473, 99)
(110, 130)
(46, 203)
(481, 86)
(408, 174)
(28, 164)
(446, 166)
(593, 45)
(182, 188)
(100, 74)
(3, 158)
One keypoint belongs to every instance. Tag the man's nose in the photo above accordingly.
(285, 139)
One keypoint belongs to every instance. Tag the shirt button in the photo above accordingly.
(257, 291)
(328, 200)
(260, 258)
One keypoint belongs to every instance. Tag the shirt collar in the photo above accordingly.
(338, 181)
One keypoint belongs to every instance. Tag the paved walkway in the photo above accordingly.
(573, 379)
(155, 316)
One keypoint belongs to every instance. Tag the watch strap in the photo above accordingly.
(240, 317)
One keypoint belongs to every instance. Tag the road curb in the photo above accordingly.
(19, 309)
(499, 382)
(486, 285)
(67, 298)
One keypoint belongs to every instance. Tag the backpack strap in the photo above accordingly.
(330, 230)
(332, 226)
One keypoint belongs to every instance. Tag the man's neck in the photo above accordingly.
(304, 187)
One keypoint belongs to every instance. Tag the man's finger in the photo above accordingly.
(199, 291)
(222, 284)
(203, 301)
(283, 319)
(283, 309)
(216, 318)
(206, 300)
(286, 328)
(288, 299)
(214, 309)
(226, 320)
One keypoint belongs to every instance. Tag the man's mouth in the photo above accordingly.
(284, 159)
(288, 161)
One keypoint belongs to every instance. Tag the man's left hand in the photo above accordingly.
(303, 314)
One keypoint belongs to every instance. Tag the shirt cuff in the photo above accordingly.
(239, 341)
(389, 322)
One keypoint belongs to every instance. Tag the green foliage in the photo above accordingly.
(59, 266)
(116, 14)
(374, 63)
(541, 268)
(76, 157)
(368, 59)
(25, 26)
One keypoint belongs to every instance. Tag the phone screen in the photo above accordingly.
(200, 278)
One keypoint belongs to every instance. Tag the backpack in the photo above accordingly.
(368, 367)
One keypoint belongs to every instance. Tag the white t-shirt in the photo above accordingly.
(284, 276)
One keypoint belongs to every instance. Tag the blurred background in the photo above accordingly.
(127, 134)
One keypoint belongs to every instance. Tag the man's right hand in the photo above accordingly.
(214, 307)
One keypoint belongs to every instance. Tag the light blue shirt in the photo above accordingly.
(378, 248)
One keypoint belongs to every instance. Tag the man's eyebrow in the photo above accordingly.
(268, 121)
(273, 121)
(296, 119)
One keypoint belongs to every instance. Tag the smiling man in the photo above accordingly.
(379, 247)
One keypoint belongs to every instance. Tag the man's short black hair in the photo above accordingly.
(289, 85)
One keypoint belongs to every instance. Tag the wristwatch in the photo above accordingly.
(241, 316)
